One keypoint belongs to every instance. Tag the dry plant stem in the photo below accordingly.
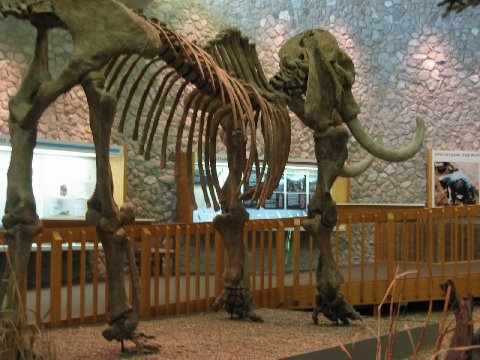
(422, 336)
(412, 344)
(394, 317)
(16, 336)
(417, 347)
(460, 349)
(345, 350)
(392, 327)
(388, 293)
(443, 327)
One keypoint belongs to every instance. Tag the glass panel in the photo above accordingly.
(289, 199)
(65, 194)
(276, 201)
(222, 174)
(281, 185)
(296, 181)
(252, 183)
(4, 162)
(62, 182)
(312, 183)
(296, 201)
(296, 189)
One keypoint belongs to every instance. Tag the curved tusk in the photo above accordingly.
(394, 155)
(350, 171)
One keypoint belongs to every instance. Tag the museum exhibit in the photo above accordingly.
(254, 179)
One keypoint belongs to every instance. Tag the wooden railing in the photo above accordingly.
(181, 265)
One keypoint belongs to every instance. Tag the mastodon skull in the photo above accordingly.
(318, 77)
(330, 74)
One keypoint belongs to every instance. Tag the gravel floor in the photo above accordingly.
(214, 336)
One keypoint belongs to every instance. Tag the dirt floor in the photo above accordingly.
(214, 336)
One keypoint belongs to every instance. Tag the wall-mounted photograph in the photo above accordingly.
(456, 178)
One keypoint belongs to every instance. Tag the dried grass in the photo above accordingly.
(446, 326)
(18, 339)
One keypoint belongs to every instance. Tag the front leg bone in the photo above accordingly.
(329, 300)
(236, 298)
(110, 222)
(21, 221)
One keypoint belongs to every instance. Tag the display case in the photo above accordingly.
(290, 199)
(312, 183)
(64, 177)
(296, 188)
(277, 200)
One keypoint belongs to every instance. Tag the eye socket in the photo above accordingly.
(342, 142)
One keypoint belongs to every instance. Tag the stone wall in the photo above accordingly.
(410, 62)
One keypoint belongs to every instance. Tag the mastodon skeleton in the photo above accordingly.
(231, 91)
(315, 82)
(107, 36)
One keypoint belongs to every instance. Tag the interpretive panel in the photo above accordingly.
(456, 177)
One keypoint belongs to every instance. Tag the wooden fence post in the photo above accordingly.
(168, 271)
(430, 185)
(184, 189)
(145, 271)
(296, 259)
(179, 233)
(280, 265)
(219, 263)
(38, 279)
(442, 245)
(391, 246)
(431, 255)
(470, 249)
(56, 279)
(187, 270)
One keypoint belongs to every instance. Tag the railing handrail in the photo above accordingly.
(352, 217)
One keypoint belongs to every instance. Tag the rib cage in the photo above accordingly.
(230, 84)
